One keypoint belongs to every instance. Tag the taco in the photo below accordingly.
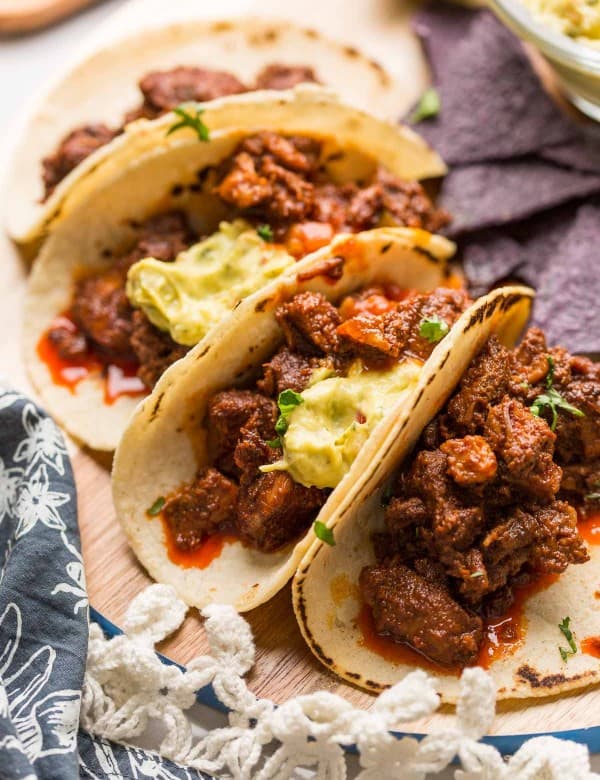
(258, 435)
(186, 218)
(470, 547)
(142, 76)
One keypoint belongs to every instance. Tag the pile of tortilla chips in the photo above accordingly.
(524, 184)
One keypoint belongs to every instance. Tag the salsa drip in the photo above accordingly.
(269, 509)
(486, 509)
(119, 377)
(277, 184)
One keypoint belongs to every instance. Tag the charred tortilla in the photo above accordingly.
(533, 444)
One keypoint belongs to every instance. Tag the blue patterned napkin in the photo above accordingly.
(44, 614)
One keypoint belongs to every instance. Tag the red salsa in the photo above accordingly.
(119, 377)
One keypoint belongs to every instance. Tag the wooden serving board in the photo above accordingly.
(19, 16)
(284, 665)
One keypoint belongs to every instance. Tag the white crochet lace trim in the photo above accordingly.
(126, 686)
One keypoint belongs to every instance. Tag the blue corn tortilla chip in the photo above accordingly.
(493, 106)
(582, 154)
(568, 290)
(519, 252)
(441, 27)
(495, 194)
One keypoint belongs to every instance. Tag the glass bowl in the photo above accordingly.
(577, 65)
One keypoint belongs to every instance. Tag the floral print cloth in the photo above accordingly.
(44, 614)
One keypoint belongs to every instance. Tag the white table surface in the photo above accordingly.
(26, 62)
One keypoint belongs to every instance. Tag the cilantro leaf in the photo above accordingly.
(156, 507)
(288, 400)
(552, 400)
(433, 329)
(565, 629)
(265, 232)
(428, 106)
(323, 533)
(190, 120)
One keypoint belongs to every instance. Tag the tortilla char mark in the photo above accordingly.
(486, 509)
(245, 490)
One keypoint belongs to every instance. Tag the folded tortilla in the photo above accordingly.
(325, 590)
(148, 172)
(102, 87)
(166, 441)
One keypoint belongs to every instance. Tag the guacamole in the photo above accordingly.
(187, 297)
(334, 419)
(576, 18)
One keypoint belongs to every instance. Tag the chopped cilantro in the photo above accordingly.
(323, 533)
(156, 507)
(288, 400)
(265, 232)
(190, 120)
(552, 400)
(428, 106)
(433, 329)
(565, 629)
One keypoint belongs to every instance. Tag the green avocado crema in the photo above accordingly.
(335, 418)
(187, 297)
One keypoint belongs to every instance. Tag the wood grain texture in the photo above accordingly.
(19, 16)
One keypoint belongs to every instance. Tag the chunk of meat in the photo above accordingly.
(273, 510)
(412, 609)
(390, 334)
(154, 349)
(162, 237)
(72, 150)
(165, 90)
(455, 516)
(309, 324)
(405, 202)
(286, 370)
(529, 364)
(199, 509)
(484, 383)
(471, 461)
(508, 546)
(102, 311)
(273, 172)
(228, 412)
(558, 541)
(524, 444)
(578, 437)
(279, 76)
